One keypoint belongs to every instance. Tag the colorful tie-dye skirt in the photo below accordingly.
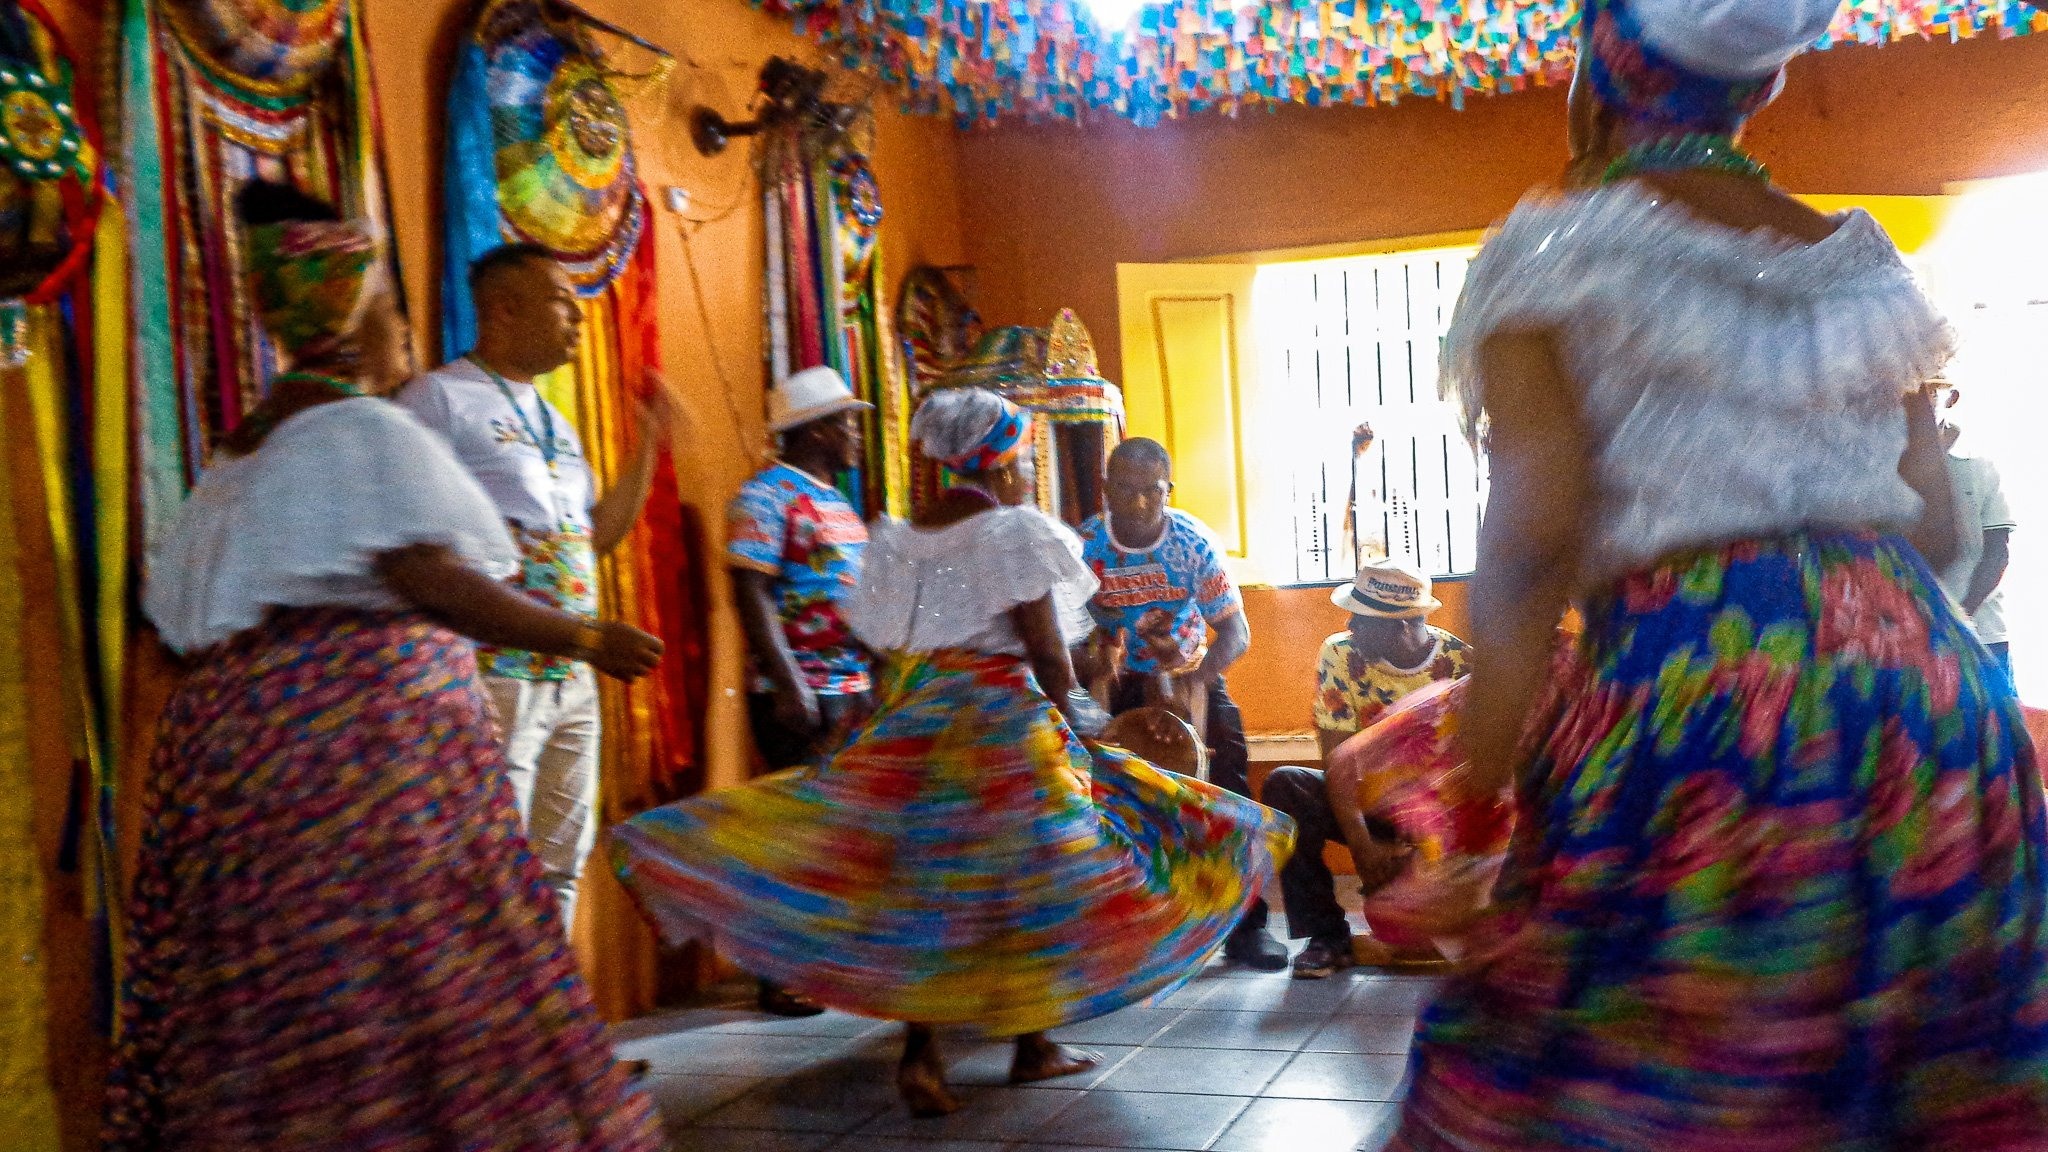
(337, 938)
(964, 860)
(1777, 882)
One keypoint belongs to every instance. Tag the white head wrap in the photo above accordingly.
(1733, 39)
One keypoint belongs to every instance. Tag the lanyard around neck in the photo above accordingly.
(544, 438)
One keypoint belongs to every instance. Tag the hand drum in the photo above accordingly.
(1158, 736)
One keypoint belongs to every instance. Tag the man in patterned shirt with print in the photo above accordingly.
(1163, 589)
(794, 547)
(528, 458)
(1389, 651)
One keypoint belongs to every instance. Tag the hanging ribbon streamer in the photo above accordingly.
(217, 93)
(822, 299)
(28, 1112)
(75, 377)
(540, 150)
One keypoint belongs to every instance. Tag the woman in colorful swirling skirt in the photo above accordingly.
(337, 938)
(965, 859)
(1780, 867)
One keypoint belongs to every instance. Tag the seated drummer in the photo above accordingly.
(1389, 651)
(1163, 587)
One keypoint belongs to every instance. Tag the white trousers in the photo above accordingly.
(551, 740)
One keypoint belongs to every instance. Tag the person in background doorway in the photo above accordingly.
(1390, 651)
(794, 546)
(1984, 527)
(528, 457)
(1163, 587)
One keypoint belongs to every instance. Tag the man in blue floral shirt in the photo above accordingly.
(1164, 588)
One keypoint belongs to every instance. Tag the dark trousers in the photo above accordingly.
(781, 748)
(1230, 757)
(1308, 890)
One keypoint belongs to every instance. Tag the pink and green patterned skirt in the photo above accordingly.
(1778, 882)
(337, 938)
(964, 860)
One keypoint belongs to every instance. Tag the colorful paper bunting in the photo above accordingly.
(1053, 59)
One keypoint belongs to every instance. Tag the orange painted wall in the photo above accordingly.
(1050, 210)
(1276, 680)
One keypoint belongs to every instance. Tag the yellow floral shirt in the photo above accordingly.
(1352, 691)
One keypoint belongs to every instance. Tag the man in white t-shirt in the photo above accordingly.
(531, 462)
(1985, 524)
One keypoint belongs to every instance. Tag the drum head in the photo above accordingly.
(1162, 738)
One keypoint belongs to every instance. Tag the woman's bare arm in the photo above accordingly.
(435, 580)
(1038, 623)
(1538, 509)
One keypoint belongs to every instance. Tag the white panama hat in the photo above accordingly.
(1388, 589)
(809, 395)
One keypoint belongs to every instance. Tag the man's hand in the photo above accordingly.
(796, 709)
(662, 416)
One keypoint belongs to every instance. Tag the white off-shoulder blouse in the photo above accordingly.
(1735, 384)
(922, 590)
(300, 522)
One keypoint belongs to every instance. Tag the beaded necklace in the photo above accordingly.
(1686, 153)
(544, 437)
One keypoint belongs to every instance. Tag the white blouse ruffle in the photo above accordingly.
(300, 522)
(922, 590)
(1734, 384)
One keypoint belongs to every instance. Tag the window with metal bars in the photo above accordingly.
(1366, 460)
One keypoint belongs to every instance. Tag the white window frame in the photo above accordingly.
(1353, 340)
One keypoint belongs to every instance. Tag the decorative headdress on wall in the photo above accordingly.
(274, 51)
(49, 174)
(937, 325)
(540, 149)
(1051, 371)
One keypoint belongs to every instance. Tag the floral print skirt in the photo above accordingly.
(1777, 882)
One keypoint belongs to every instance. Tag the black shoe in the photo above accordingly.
(1254, 949)
(1323, 958)
(777, 1001)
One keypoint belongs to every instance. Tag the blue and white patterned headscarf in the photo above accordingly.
(1702, 66)
(970, 429)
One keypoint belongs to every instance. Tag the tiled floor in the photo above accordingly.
(1235, 1062)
